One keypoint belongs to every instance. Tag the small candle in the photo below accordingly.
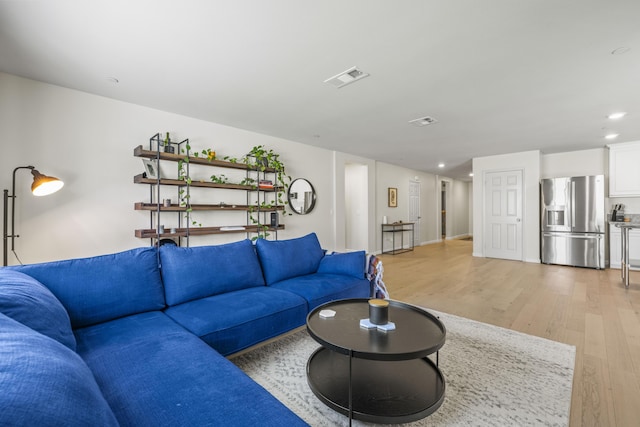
(379, 311)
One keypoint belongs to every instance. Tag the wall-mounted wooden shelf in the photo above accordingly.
(141, 206)
(152, 154)
(256, 213)
(152, 233)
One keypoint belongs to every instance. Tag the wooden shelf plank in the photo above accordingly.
(140, 179)
(200, 231)
(150, 154)
(141, 206)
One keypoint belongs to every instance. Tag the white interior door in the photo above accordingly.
(414, 210)
(503, 214)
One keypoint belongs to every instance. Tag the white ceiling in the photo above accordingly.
(500, 76)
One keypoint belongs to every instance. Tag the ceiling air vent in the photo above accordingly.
(353, 74)
(423, 121)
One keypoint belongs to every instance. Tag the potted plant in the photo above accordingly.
(168, 148)
(263, 159)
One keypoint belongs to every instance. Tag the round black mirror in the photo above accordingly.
(302, 196)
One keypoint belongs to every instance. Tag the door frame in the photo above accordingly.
(418, 222)
(448, 182)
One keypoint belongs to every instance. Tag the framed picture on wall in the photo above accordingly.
(393, 197)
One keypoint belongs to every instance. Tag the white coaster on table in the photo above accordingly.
(325, 314)
(366, 323)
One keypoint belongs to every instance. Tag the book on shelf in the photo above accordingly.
(232, 228)
(265, 183)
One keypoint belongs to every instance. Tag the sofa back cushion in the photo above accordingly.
(44, 383)
(105, 287)
(202, 271)
(348, 263)
(29, 302)
(284, 259)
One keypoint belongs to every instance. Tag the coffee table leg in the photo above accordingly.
(350, 389)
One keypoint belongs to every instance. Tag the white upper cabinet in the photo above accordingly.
(624, 169)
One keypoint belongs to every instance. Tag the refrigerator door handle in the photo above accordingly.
(573, 204)
(575, 235)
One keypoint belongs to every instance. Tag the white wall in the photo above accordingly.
(394, 176)
(88, 141)
(575, 163)
(529, 163)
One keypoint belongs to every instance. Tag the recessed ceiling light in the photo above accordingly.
(423, 121)
(620, 50)
(611, 135)
(344, 78)
(471, 174)
(440, 165)
(616, 116)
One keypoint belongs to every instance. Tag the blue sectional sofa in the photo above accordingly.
(139, 338)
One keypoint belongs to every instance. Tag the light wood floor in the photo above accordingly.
(587, 308)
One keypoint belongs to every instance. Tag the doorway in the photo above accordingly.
(443, 210)
(356, 194)
(414, 210)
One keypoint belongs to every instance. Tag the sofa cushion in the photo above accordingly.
(320, 288)
(155, 373)
(192, 273)
(236, 320)
(29, 302)
(350, 264)
(105, 287)
(44, 383)
(284, 259)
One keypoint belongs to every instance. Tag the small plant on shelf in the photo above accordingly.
(167, 144)
(230, 159)
(249, 181)
(219, 179)
(208, 153)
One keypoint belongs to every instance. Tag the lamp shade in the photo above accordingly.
(44, 185)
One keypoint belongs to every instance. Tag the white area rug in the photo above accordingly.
(494, 377)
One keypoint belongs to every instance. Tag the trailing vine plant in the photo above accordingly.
(260, 159)
(183, 192)
(263, 160)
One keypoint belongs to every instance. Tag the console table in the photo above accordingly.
(394, 229)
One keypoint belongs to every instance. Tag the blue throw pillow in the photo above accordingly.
(284, 259)
(105, 287)
(349, 264)
(46, 384)
(202, 271)
(29, 302)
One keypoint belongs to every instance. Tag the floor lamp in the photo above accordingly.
(42, 186)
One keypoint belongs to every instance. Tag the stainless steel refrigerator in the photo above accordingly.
(573, 226)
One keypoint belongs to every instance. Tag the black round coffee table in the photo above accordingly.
(376, 376)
